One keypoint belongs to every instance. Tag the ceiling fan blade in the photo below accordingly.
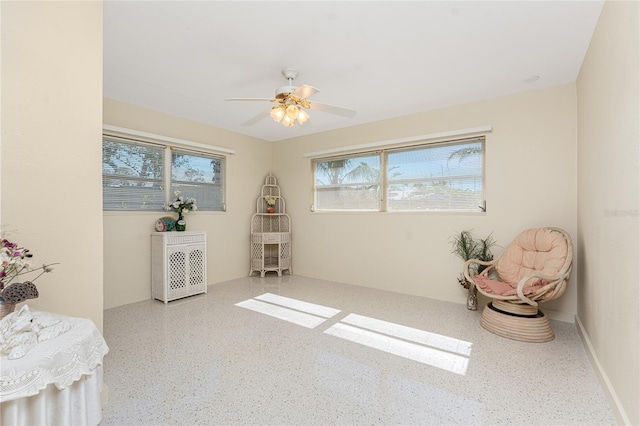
(254, 120)
(251, 99)
(332, 109)
(304, 91)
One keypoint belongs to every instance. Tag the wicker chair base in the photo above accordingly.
(531, 325)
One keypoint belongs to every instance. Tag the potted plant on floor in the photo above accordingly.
(466, 247)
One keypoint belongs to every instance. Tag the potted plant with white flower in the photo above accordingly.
(181, 205)
(271, 202)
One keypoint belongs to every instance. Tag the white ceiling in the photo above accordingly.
(382, 58)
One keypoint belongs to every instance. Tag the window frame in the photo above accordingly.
(357, 155)
(167, 173)
(222, 185)
(385, 181)
(121, 195)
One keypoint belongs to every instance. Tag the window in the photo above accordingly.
(429, 177)
(348, 183)
(132, 176)
(198, 176)
(138, 176)
(445, 177)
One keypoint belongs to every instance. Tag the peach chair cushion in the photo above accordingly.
(503, 289)
(541, 251)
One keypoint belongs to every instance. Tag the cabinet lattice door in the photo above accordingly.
(178, 265)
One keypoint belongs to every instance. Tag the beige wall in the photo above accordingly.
(51, 104)
(51, 118)
(127, 264)
(530, 182)
(608, 203)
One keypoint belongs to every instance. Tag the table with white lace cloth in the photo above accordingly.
(59, 381)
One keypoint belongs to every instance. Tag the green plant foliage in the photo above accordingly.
(466, 247)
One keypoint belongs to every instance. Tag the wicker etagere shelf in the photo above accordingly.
(270, 232)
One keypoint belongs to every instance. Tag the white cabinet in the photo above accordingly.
(270, 232)
(178, 264)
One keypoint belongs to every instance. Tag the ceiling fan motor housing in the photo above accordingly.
(284, 91)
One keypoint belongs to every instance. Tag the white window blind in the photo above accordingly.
(440, 177)
(143, 176)
(199, 176)
(443, 176)
(347, 183)
(132, 176)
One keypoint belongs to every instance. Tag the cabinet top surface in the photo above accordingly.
(270, 232)
(177, 233)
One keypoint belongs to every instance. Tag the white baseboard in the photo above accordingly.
(618, 410)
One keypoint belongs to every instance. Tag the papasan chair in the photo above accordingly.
(533, 269)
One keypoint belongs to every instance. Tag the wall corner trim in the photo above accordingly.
(609, 391)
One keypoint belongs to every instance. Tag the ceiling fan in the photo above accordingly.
(291, 103)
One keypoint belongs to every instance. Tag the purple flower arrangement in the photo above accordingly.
(15, 261)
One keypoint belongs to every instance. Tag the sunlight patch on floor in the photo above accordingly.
(422, 346)
(422, 337)
(305, 314)
(299, 305)
(432, 349)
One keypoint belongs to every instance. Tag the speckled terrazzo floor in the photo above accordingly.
(363, 356)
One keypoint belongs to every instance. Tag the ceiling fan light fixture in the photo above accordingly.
(292, 112)
(288, 121)
(277, 113)
(302, 117)
(288, 114)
